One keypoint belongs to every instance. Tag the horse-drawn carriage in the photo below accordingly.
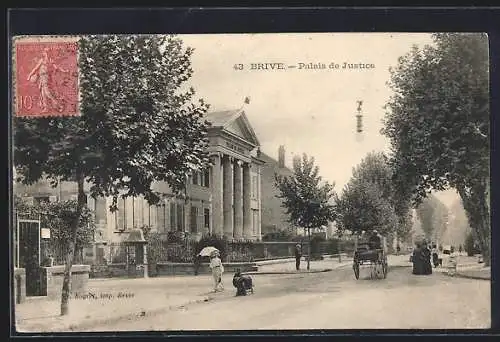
(373, 256)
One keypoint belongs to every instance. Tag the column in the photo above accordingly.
(228, 196)
(216, 190)
(259, 201)
(238, 200)
(247, 210)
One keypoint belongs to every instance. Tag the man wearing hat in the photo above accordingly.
(298, 255)
(375, 243)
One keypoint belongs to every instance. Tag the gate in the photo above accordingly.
(29, 253)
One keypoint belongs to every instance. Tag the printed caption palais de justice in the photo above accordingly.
(278, 66)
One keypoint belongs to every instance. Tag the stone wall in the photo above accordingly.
(166, 269)
(52, 280)
(117, 270)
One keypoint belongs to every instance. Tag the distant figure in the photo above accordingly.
(435, 256)
(197, 264)
(217, 271)
(398, 249)
(426, 259)
(242, 283)
(298, 255)
(417, 261)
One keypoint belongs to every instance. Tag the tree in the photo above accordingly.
(371, 201)
(438, 123)
(433, 215)
(136, 127)
(306, 197)
(57, 216)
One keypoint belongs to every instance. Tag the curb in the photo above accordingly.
(465, 276)
(288, 272)
(127, 316)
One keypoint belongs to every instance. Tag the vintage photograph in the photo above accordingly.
(250, 182)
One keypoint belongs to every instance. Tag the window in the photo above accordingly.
(206, 176)
(194, 220)
(180, 217)
(195, 178)
(206, 214)
(172, 217)
(120, 215)
(100, 210)
(161, 216)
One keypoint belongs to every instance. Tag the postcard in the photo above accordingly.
(280, 181)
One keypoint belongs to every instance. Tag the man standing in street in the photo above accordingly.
(298, 255)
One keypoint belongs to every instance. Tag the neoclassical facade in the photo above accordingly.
(236, 175)
(224, 199)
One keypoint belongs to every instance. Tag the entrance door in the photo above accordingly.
(29, 254)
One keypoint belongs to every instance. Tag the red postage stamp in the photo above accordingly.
(46, 77)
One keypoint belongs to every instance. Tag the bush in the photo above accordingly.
(315, 246)
(213, 240)
(333, 246)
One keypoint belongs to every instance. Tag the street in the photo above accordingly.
(332, 300)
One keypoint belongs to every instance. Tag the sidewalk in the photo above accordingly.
(111, 300)
(467, 267)
(316, 266)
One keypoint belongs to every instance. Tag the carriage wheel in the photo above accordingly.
(355, 267)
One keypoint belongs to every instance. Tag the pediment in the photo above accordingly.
(240, 127)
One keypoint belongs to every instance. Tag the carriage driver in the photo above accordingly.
(375, 242)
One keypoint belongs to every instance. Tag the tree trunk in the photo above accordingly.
(82, 200)
(309, 249)
(477, 208)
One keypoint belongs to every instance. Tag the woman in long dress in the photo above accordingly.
(217, 271)
(417, 260)
(44, 70)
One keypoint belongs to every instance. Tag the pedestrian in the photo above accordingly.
(435, 256)
(217, 271)
(417, 260)
(426, 259)
(197, 264)
(298, 256)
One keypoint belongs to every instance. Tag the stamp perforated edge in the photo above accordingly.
(34, 39)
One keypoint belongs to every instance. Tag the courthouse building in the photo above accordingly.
(224, 199)
(274, 217)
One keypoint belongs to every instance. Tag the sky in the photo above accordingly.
(309, 110)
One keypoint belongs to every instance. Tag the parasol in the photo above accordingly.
(207, 251)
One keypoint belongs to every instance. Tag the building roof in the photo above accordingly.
(219, 119)
(224, 120)
(271, 162)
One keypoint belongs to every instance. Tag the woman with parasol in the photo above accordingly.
(217, 270)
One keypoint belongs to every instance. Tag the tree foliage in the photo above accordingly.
(58, 216)
(306, 198)
(438, 123)
(433, 216)
(136, 127)
(369, 200)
